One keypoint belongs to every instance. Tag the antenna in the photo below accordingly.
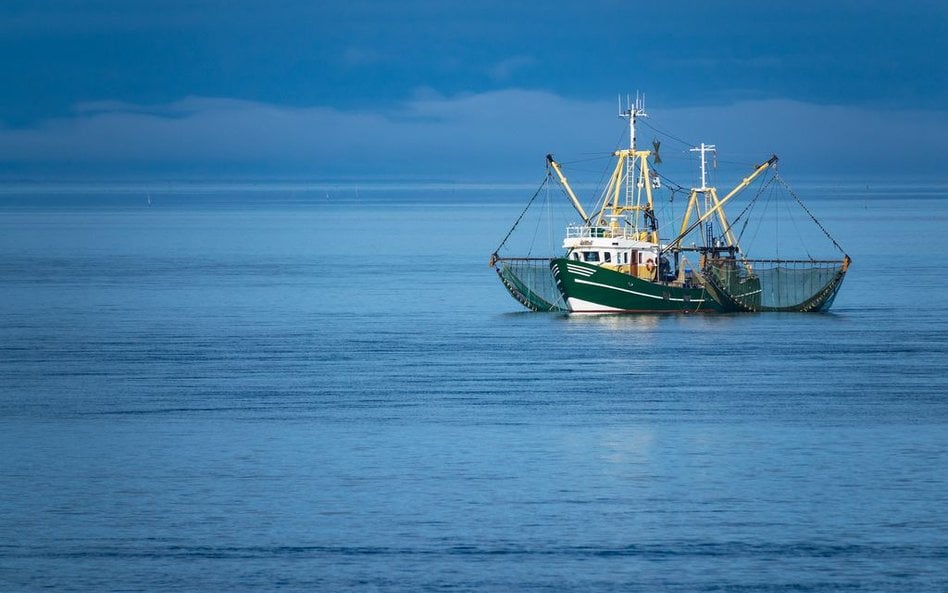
(632, 111)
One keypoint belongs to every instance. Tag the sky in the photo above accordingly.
(462, 91)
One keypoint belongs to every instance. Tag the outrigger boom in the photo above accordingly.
(720, 203)
(565, 185)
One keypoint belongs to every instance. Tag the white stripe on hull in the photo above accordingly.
(643, 294)
(579, 270)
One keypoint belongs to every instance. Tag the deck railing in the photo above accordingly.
(589, 232)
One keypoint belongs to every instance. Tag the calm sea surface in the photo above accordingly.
(256, 388)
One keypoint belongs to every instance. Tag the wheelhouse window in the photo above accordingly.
(606, 256)
(591, 256)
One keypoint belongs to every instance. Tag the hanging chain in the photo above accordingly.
(805, 209)
(749, 206)
(494, 255)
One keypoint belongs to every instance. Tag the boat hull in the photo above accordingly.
(593, 289)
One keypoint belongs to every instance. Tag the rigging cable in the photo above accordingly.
(805, 209)
(494, 257)
(666, 134)
(750, 204)
(536, 230)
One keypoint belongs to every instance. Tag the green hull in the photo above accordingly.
(592, 289)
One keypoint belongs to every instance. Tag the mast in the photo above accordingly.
(632, 171)
(631, 112)
(615, 217)
(704, 148)
(709, 193)
(719, 203)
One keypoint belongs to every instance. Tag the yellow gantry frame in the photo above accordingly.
(717, 208)
(612, 206)
(693, 206)
(612, 210)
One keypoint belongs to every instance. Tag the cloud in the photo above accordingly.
(823, 138)
(192, 129)
(486, 136)
(505, 69)
(427, 136)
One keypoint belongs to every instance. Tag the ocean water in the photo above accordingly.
(282, 388)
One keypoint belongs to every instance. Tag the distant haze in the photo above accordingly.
(446, 91)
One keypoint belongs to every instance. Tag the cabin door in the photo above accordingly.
(634, 263)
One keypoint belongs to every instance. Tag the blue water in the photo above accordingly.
(257, 388)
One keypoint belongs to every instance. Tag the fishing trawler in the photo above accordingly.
(615, 260)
